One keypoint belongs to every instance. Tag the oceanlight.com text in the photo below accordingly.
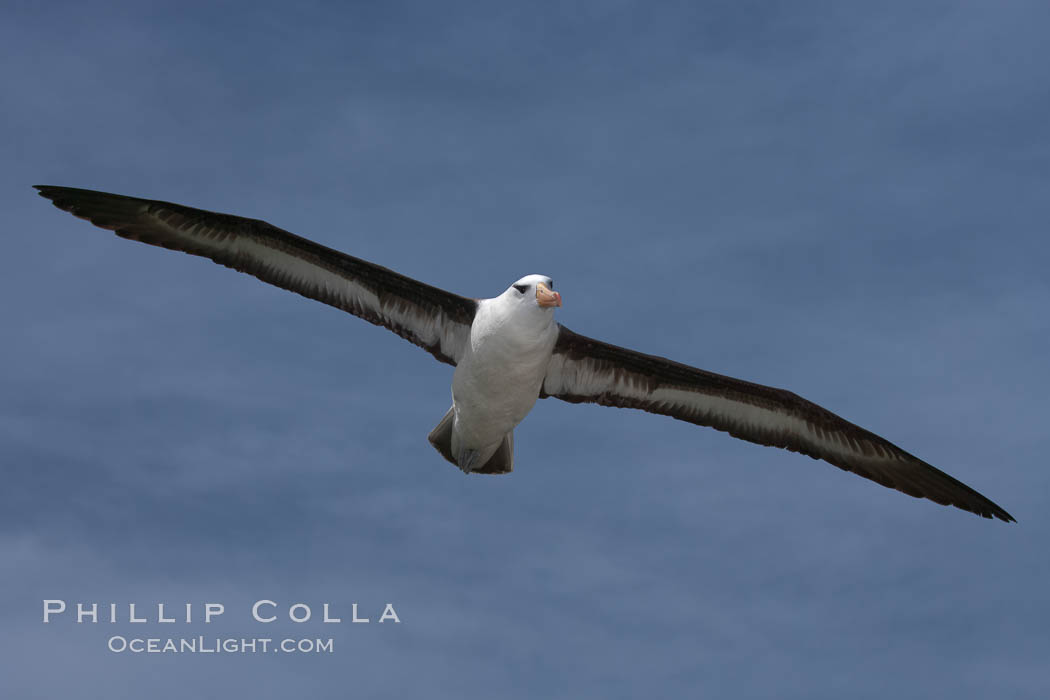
(218, 645)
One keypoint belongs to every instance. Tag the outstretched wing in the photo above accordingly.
(586, 370)
(435, 320)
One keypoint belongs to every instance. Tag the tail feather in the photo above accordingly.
(501, 462)
(441, 436)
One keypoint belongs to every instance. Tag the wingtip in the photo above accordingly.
(52, 190)
(997, 513)
(48, 191)
(58, 196)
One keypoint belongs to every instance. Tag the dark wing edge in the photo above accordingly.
(584, 370)
(435, 320)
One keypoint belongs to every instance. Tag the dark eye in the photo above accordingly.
(550, 285)
(521, 288)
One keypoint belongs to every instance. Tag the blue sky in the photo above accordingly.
(845, 200)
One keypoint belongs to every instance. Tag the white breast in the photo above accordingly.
(498, 379)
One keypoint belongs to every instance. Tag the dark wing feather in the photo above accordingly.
(435, 320)
(586, 370)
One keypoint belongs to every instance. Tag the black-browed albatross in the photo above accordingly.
(508, 351)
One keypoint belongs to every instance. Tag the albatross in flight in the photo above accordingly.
(508, 351)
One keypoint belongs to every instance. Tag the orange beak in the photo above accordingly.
(547, 297)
